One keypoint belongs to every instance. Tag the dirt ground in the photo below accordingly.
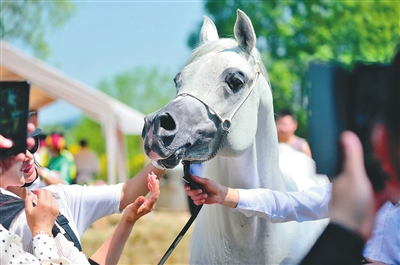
(150, 238)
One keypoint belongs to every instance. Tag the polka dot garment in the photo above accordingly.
(44, 248)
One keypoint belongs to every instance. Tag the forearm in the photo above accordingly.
(229, 197)
(49, 178)
(137, 186)
(110, 251)
(276, 206)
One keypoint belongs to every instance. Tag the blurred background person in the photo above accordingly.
(286, 124)
(61, 160)
(87, 164)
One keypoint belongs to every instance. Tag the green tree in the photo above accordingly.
(291, 33)
(145, 89)
(30, 21)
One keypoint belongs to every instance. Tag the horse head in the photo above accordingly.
(216, 89)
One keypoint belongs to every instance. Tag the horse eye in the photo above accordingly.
(235, 81)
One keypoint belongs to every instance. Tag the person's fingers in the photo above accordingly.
(30, 142)
(192, 193)
(5, 142)
(153, 183)
(29, 203)
(199, 180)
(199, 202)
(353, 154)
(138, 202)
(31, 127)
(199, 197)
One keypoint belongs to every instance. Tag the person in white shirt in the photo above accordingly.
(307, 205)
(87, 164)
(13, 172)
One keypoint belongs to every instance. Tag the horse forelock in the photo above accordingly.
(227, 44)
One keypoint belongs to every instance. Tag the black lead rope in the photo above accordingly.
(192, 185)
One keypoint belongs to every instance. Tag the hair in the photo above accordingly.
(56, 140)
(83, 143)
(285, 112)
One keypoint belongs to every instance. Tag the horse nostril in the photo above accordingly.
(167, 122)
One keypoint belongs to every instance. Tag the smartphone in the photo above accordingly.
(342, 99)
(14, 109)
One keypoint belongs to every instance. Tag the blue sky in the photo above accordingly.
(103, 39)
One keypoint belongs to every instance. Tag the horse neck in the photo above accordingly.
(258, 167)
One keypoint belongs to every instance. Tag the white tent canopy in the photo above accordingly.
(49, 84)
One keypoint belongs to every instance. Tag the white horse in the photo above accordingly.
(223, 114)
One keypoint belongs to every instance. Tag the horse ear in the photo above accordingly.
(244, 32)
(208, 31)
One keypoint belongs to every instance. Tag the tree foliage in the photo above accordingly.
(144, 89)
(29, 21)
(291, 33)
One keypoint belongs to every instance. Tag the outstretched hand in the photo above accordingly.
(353, 201)
(142, 206)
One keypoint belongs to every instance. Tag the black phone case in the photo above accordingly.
(342, 99)
(14, 108)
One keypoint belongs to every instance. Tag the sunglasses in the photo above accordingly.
(35, 134)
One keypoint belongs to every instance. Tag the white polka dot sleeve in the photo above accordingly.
(12, 252)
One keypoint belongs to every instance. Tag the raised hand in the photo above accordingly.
(142, 206)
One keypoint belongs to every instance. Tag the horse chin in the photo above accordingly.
(173, 160)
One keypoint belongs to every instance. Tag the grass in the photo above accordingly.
(151, 237)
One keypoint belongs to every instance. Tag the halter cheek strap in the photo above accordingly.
(226, 123)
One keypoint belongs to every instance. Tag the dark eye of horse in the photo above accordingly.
(235, 80)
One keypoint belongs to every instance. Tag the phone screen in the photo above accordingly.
(14, 108)
(342, 99)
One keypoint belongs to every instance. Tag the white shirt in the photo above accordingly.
(45, 251)
(81, 205)
(312, 204)
(384, 244)
(278, 207)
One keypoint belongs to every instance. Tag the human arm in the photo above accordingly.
(137, 186)
(352, 211)
(48, 176)
(276, 206)
(110, 251)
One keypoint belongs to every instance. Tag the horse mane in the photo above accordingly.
(227, 44)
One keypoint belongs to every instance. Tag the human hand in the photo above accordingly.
(142, 206)
(14, 162)
(353, 202)
(44, 214)
(212, 191)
